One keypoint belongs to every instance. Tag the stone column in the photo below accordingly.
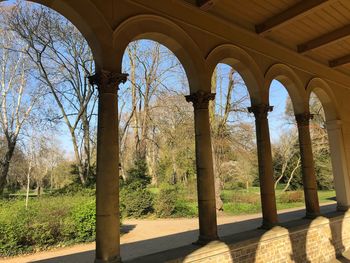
(307, 165)
(267, 189)
(107, 180)
(339, 167)
(204, 165)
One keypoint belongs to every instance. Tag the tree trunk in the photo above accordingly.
(86, 137)
(78, 159)
(28, 182)
(292, 175)
(5, 165)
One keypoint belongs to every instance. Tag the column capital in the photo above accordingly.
(260, 111)
(107, 81)
(303, 119)
(200, 99)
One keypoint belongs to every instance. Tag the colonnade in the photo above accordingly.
(107, 190)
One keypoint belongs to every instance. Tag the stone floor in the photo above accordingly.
(146, 237)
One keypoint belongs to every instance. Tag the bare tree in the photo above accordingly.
(226, 125)
(152, 69)
(63, 61)
(285, 150)
(17, 99)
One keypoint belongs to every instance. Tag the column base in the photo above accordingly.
(203, 240)
(268, 225)
(115, 260)
(342, 208)
(310, 215)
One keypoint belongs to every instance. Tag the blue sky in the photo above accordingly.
(278, 98)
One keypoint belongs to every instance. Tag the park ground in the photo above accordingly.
(147, 236)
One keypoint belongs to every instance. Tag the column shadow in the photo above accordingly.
(240, 240)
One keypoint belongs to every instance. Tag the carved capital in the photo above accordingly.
(108, 82)
(260, 111)
(303, 119)
(200, 99)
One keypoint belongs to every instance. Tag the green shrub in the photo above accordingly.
(74, 189)
(168, 203)
(135, 200)
(165, 205)
(138, 173)
(242, 197)
(291, 197)
(183, 209)
(48, 221)
(189, 192)
(81, 224)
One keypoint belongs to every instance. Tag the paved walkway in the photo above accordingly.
(344, 259)
(150, 236)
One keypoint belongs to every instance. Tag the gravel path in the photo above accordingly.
(150, 236)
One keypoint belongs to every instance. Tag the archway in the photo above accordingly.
(233, 143)
(156, 127)
(328, 121)
(168, 34)
(285, 147)
(297, 146)
(251, 79)
(54, 62)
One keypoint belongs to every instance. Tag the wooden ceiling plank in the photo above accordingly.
(324, 40)
(339, 61)
(297, 11)
(206, 4)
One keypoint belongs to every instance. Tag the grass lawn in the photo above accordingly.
(238, 202)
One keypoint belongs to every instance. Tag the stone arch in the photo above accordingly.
(245, 65)
(291, 82)
(168, 34)
(91, 24)
(326, 96)
(335, 136)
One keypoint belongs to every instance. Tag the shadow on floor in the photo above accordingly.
(332, 198)
(134, 250)
(126, 229)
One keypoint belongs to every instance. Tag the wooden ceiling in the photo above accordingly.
(318, 29)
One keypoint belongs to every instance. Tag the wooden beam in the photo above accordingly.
(297, 11)
(339, 61)
(324, 40)
(206, 4)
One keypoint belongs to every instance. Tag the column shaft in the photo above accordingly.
(267, 190)
(204, 165)
(339, 167)
(307, 166)
(107, 181)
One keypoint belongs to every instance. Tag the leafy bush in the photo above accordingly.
(138, 173)
(291, 197)
(242, 197)
(48, 221)
(74, 189)
(81, 224)
(135, 200)
(168, 203)
(183, 209)
(165, 204)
